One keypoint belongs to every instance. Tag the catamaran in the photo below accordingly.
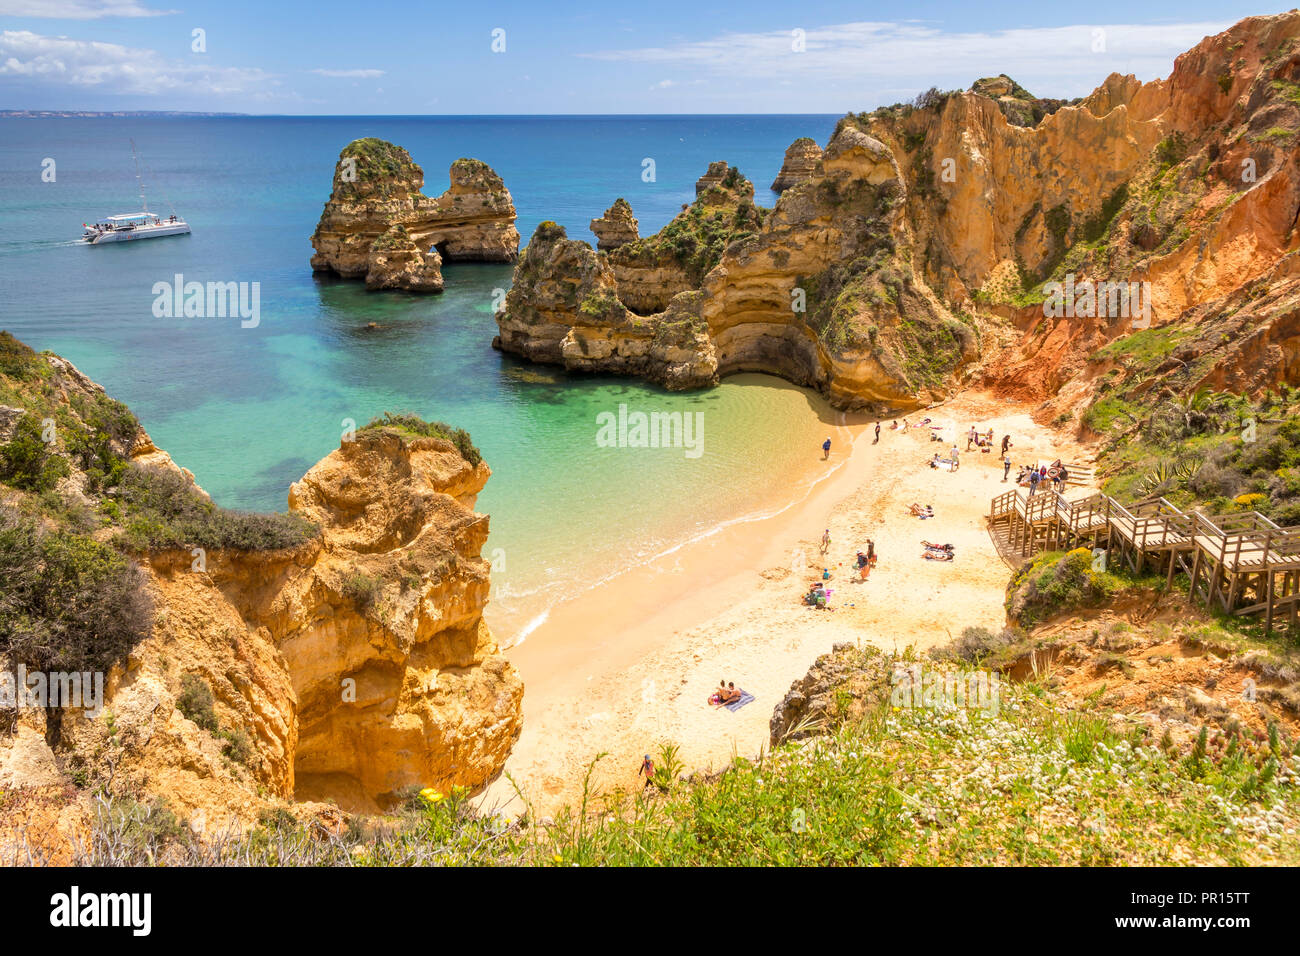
(135, 225)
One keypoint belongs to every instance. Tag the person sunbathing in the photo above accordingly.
(731, 695)
(919, 512)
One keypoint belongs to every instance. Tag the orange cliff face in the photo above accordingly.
(910, 257)
(349, 668)
(402, 685)
(1189, 185)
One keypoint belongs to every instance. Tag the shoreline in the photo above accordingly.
(630, 666)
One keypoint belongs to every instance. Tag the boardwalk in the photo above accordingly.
(1239, 563)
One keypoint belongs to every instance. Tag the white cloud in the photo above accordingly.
(111, 68)
(77, 9)
(866, 52)
(351, 74)
(662, 85)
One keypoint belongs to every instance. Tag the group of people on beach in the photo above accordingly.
(981, 440)
(1035, 476)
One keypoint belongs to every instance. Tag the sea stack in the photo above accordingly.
(801, 159)
(379, 226)
(616, 228)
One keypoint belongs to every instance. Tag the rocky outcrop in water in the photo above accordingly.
(616, 228)
(563, 309)
(378, 225)
(800, 163)
(815, 291)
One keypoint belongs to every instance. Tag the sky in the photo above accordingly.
(357, 57)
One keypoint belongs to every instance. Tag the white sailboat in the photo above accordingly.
(135, 225)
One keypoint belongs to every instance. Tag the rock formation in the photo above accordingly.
(814, 291)
(800, 163)
(563, 309)
(378, 225)
(927, 229)
(393, 608)
(616, 228)
(347, 661)
(652, 270)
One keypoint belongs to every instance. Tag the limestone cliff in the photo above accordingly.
(800, 163)
(818, 291)
(616, 228)
(378, 225)
(563, 309)
(651, 270)
(1189, 185)
(334, 653)
(921, 245)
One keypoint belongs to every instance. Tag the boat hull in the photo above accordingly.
(129, 235)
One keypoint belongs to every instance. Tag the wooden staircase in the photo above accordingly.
(1240, 563)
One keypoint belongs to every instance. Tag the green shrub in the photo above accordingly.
(363, 589)
(27, 461)
(413, 424)
(162, 510)
(67, 601)
(196, 702)
(1054, 583)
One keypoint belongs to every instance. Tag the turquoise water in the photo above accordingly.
(248, 410)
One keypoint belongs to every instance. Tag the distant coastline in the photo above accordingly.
(47, 114)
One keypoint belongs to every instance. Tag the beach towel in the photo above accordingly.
(745, 698)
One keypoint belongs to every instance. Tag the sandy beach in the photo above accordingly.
(632, 665)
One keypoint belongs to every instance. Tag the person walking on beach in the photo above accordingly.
(647, 768)
(864, 566)
(970, 437)
(955, 459)
(826, 540)
(1034, 479)
(1006, 443)
(1006, 465)
(826, 449)
(877, 441)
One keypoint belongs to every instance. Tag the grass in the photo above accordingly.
(1033, 784)
(1147, 347)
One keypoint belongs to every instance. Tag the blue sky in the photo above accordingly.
(662, 56)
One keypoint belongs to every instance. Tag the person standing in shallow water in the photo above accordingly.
(826, 449)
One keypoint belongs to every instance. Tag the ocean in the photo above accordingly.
(249, 409)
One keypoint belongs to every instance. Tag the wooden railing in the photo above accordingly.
(1241, 554)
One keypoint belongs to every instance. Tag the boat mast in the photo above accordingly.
(136, 156)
